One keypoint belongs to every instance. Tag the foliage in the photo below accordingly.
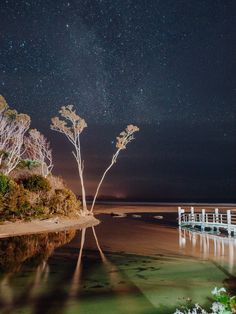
(126, 136)
(64, 202)
(36, 183)
(4, 184)
(28, 163)
(223, 304)
(38, 149)
(35, 197)
(15, 201)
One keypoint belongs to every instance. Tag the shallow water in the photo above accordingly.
(128, 265)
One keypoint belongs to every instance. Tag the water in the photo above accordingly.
(127, 265)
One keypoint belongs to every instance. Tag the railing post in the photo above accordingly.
(203, 219)
(217, 215)
(229, 221)
(180, 212)
(192, 214)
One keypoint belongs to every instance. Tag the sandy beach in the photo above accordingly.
(9, 229)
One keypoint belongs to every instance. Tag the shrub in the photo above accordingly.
(4, 184)
(36, 183)
(15, 201)
(64, 202)
(28, 163)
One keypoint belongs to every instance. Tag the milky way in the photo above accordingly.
(168, 66)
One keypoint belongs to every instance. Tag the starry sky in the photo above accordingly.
(167, 66)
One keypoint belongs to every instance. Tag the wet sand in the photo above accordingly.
(10, 229)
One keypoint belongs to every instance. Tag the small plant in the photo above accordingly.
(28, 163)
(223, 304)
(4, 184)
(36, 183)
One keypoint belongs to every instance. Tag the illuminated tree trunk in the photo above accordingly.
(125, 137)
(113, 161)
(72, 132)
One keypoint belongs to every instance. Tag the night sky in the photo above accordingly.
(167, 66)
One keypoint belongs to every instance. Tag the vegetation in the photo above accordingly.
(26, 165)
(4, 184)
(27, 188)
(72, 125)
(223, 304)
(36, 183)
(34, 197)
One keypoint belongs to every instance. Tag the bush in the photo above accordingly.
(36, 183)
(15, 201)
(35, 197)
(28, 163)
(4, 184)
(64, 202)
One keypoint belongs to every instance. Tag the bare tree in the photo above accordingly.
(14, 150)
(38, 149)
(72, 125)
(13, 126)
(123, 139)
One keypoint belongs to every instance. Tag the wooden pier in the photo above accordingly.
(214, 220)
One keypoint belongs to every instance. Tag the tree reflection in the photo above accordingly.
(28, 252)
(35, 278)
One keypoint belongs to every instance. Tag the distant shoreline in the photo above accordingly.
(112, 208)
(162, 203)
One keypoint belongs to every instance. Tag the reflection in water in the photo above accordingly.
(39, 274)
(220, 249)
(23, 252)
(76, 277)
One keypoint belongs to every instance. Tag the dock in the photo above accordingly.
(215, 220)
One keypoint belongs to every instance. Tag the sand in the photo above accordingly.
(10, 229)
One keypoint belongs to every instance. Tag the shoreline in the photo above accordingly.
(168, 208)
(12, 229)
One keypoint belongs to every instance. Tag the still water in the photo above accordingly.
(124, 265)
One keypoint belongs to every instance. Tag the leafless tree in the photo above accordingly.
(38, 149)
(72, 125)
(123, 139)
(13, 126)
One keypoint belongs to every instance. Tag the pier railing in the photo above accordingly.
(214, 220)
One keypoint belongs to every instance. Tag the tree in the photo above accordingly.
(72, 125)
(38, 149)
(13, 126)
(123, 139)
